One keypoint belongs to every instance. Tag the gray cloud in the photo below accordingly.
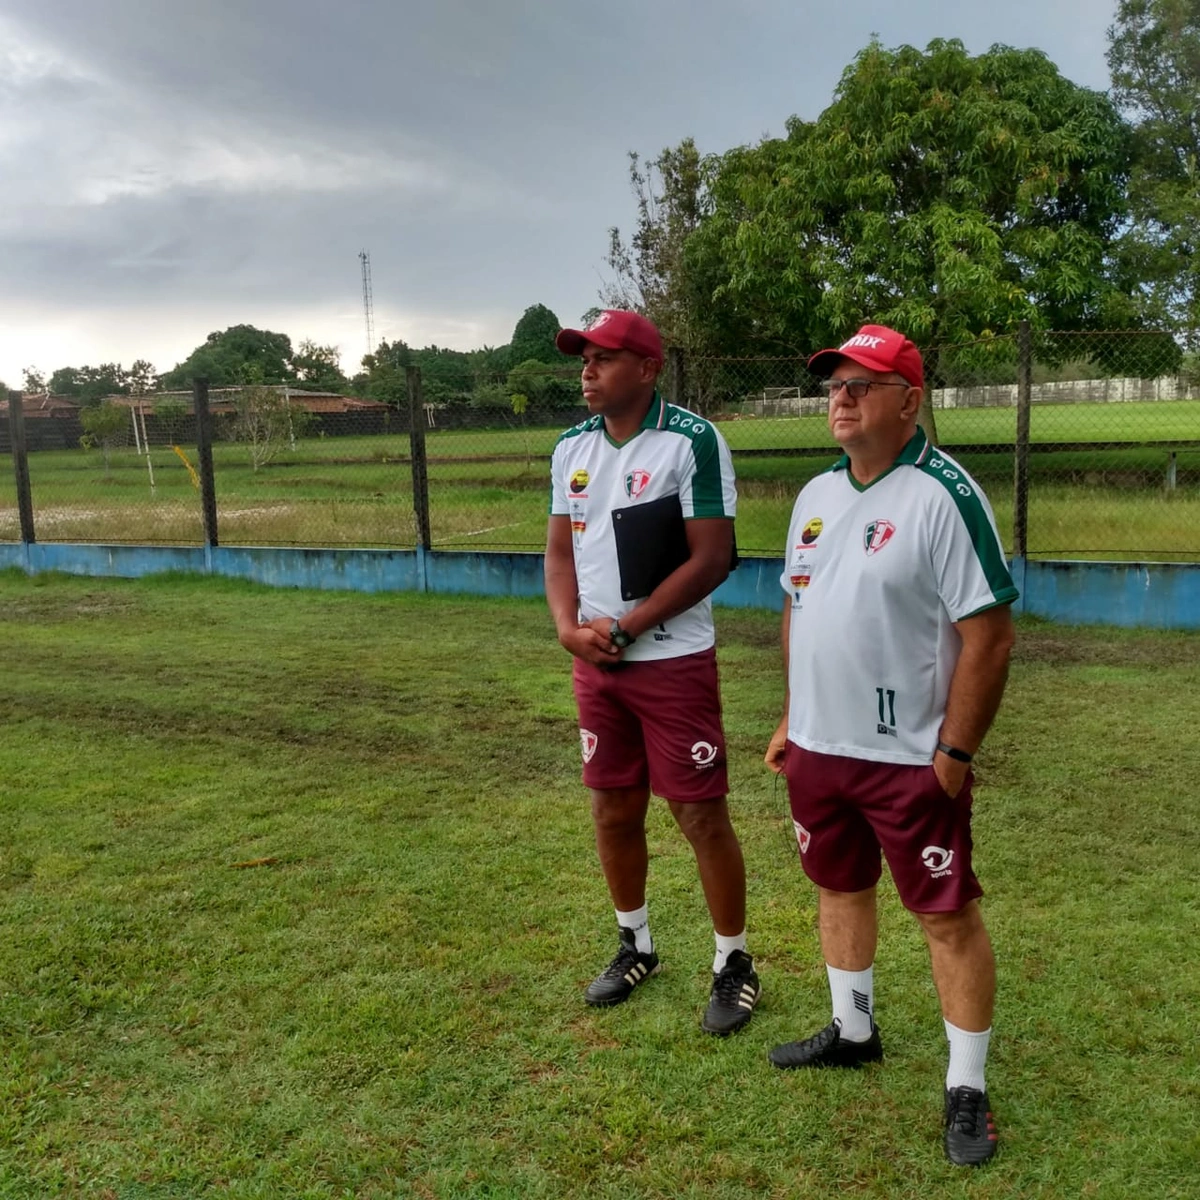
(173, 167)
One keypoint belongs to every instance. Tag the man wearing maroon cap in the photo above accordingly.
(640, 533)
(896, 638)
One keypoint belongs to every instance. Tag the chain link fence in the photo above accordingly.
(1087, 445)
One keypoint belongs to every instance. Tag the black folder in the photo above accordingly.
(651, 543)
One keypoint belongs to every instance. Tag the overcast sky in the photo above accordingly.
(170, 168)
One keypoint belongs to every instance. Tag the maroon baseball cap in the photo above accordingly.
(877, 348)
(614, 330)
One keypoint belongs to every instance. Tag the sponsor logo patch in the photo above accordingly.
(937, 861)
(579, 481)
(876, 535)
(704, 754)
(812, 531)
(635, 483)
(589, 741)
(801, 581)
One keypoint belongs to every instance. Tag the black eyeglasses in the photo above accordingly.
(855, 388)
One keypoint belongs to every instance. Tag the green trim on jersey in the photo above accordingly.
(914, 453)
(708, 493)
(950, 474)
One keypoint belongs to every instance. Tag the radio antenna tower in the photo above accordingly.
(368, 300)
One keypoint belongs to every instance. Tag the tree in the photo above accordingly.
(945, 194)
(533, 337)
(651, 272)
(105, 425)
(1154, 58)
(384, 376)
(239, 354)
(318, 368)
(91, 384)
(34, 380)
(266, 420)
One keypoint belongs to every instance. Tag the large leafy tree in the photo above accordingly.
(1154, 57)
(240, 354)
(533, 336)
(946, 194)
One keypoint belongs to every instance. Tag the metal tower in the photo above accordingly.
(368, 299)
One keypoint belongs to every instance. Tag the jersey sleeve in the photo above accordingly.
(968, 560)
(558, 485)
(709, 490)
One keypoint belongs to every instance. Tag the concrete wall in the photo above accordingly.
(1136, 595)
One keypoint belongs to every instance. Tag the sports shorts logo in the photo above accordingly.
(876, 535)
(704, 754)
(937, 861)
(589, 741)
(580, 480)
(812, 531)
(635, 483)
(803, 837)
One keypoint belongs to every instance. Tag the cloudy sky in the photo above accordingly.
(171, 168)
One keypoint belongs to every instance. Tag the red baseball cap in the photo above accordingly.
(877, 348)
(614, 330)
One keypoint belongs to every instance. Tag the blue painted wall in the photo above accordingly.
(1141, 595)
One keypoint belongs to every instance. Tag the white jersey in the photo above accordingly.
(877, 576)
(674, 453)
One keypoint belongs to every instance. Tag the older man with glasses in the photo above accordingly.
(896, 640)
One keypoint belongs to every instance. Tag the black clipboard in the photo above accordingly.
(651, 543)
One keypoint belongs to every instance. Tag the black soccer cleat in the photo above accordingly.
(616, 982)
(970, 1138)
(735, 992)
(828, 1049)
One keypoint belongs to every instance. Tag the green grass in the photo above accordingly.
(488, 488)
(389, 1003)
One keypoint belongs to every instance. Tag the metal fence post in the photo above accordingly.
(20, 457)
(420, 470)
(1021, 460)
(678, 391)
(208, 486)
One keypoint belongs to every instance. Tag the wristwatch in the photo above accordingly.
(953, 752)
(620, 637)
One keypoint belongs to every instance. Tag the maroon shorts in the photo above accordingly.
(847, 810)
(655, 724)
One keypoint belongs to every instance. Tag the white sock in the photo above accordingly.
(968, 1057)
(725, 947)
(639, 922)
(853, 995)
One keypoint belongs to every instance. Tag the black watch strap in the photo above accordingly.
(953, 752)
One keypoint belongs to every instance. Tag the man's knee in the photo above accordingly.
(619, 809)
(952, 929)
(704, 822)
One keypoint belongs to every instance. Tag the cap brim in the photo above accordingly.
(572, 341)
(825, 362)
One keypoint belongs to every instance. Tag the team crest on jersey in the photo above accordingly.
(589, 741)
(812, 531)
(801, 581)
(579, 481)
(635, 483)
(876, 535)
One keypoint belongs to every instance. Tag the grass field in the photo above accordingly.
(488, 488)
(297, 896)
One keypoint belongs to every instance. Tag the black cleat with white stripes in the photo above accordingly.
(616, 982)
(735, 992)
